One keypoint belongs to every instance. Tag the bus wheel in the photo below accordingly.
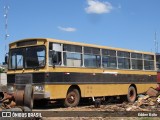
(72, 98)
(132, 94)
(28, 96)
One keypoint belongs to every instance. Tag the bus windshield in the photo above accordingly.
(28, 57)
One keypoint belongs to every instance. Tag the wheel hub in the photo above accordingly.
(71, 99)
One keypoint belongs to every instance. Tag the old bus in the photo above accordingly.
(59, 69)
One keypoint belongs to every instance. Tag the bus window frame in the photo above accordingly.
(92, 52)
(124, 55)
(78, 51)
(149, 60)
(50, 44)
(15, 68)
(24, 60)
(110, 54)
(130, 57)
(137, 58)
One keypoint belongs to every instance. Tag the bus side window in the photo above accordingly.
(55, 54)
(55, 58)
(92, 57)
(109, 58)
(72, 55)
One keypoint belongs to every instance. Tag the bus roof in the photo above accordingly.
(82, 44)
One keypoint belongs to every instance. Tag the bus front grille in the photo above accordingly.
(23, 79)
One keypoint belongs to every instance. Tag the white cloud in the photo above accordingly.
(97, 7)
(67, 29)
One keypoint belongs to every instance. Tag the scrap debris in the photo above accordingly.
(149, 101)
(14, 100)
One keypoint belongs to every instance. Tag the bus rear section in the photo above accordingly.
(158, 69)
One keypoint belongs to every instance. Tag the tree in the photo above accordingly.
(1, 69)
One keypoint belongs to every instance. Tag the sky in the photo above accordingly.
(129, 24)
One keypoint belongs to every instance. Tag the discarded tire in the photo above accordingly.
(13, 109)
(26, 109)
(28, 96)
(19, 97)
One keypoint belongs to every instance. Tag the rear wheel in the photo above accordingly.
(72, 98)
(132, 94)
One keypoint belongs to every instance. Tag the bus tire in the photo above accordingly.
(28, 96)
(132, 94)
(72, 98)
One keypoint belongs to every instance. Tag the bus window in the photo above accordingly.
(148, 65)
(123, 60)
(72, 59)
(72, 55)
(148, 57)
(136, 55)
(17, 59)
(35, 57)
(54, 58)
(91, 60)
(123, 63)
(91, 57)
(55, 54)
(31, 56)
(109, 58)
(148, 62)
(137, 62)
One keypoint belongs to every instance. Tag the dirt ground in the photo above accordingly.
(96, 118)
(114, 110)
(146, 107)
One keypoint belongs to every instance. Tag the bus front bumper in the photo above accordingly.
(41, 95)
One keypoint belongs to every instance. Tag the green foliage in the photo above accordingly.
(1, 70)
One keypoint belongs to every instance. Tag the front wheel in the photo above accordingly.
(132, 94)
(72, 98)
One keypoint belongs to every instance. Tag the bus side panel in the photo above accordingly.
(88, 90)
(141, 88)
(57, 91)
(93, 90)
(96, 90)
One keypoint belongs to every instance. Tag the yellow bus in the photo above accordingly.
(59, 69)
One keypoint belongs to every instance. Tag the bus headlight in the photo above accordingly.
(39, 88)
(10, 88)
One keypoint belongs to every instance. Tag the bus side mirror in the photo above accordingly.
(6, 59)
